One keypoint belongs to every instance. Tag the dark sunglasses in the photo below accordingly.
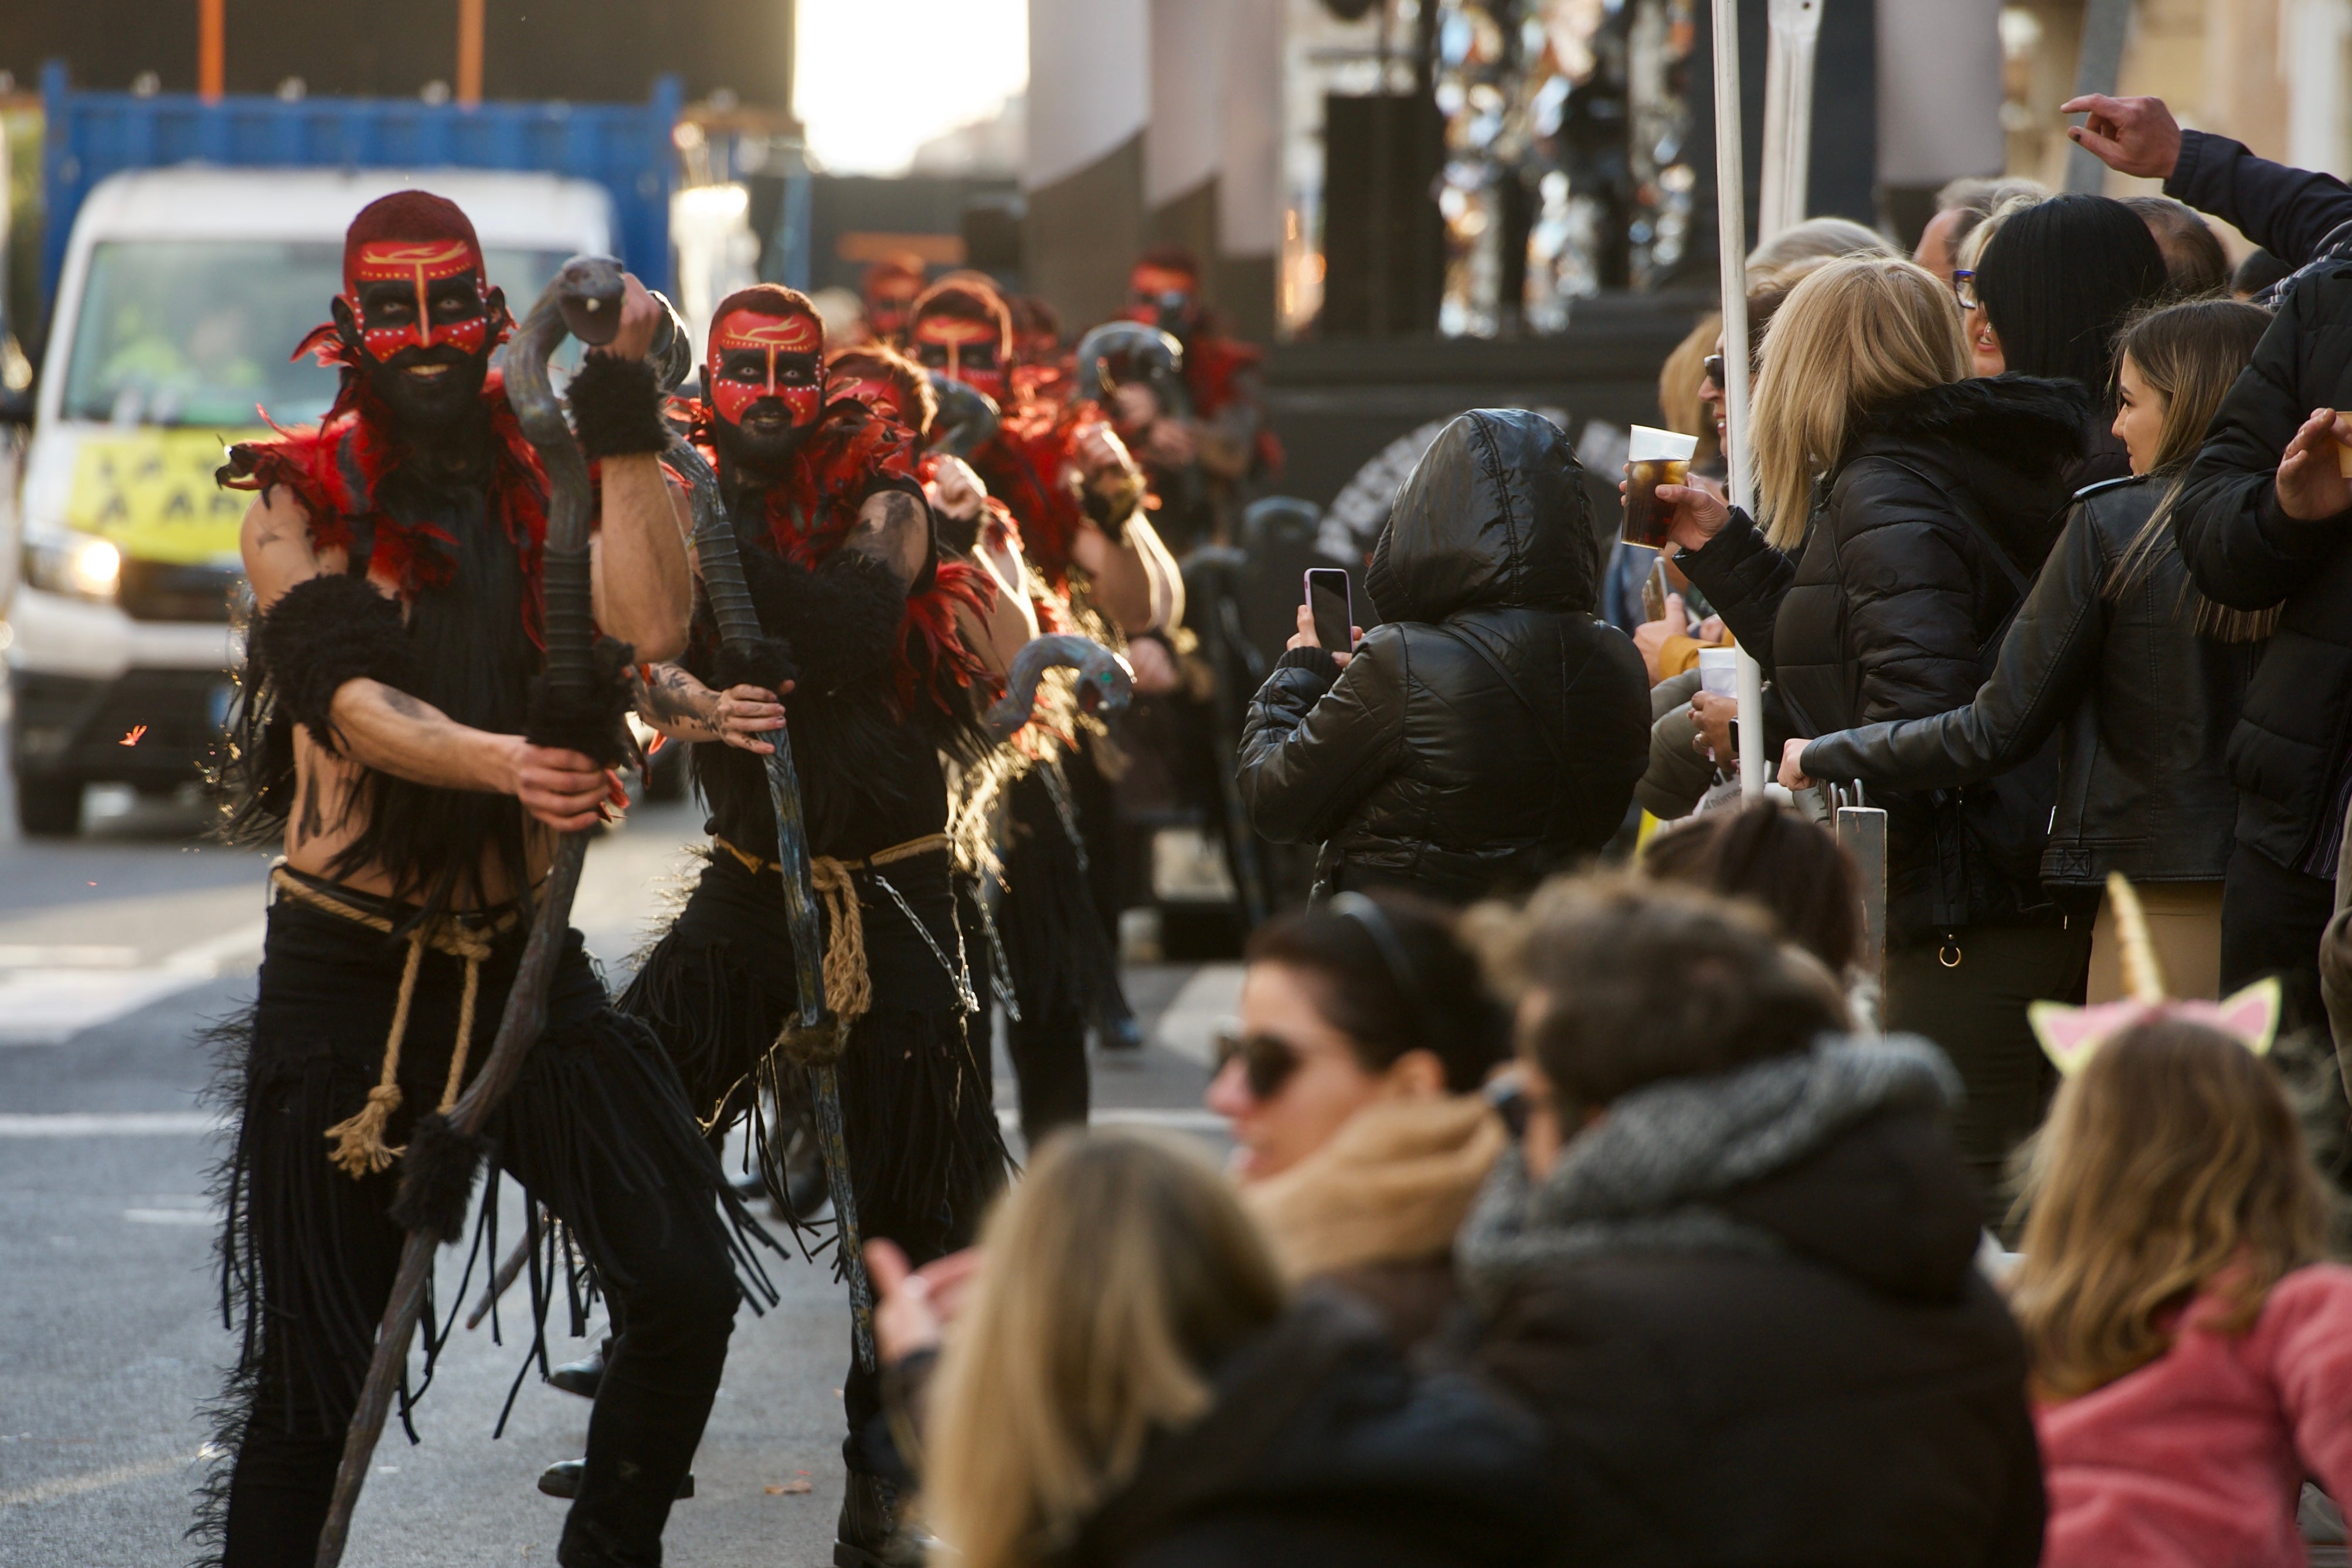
(1713, 364)
(1267, 1063)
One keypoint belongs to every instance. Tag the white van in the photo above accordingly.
(183, 292)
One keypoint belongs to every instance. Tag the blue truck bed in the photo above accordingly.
(625, 147)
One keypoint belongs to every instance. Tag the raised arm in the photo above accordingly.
(2286, 211)
(643, 587)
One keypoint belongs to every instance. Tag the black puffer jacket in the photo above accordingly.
(2144, 705)
(1745, 1307)
(1321, 1451)
(1491, 728)
(2294, 740)
(1891, 607)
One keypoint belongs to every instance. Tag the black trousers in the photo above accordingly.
(2272, 919)
(596, 1129)
(1975, 1009)
(925, 1152)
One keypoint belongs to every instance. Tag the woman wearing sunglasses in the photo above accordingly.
(1352, 1080)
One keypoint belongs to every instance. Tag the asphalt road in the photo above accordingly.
(116, 950)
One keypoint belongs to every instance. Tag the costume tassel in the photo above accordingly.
(360, 1149)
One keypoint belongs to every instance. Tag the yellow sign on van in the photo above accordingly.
(150, 491)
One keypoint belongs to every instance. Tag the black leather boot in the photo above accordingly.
(871, 1534)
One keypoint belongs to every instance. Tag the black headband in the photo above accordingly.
(1403, 975)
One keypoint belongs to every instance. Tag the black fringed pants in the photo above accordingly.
(596, 1129)
(926, 1155)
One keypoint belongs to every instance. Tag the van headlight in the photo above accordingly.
(75, 564)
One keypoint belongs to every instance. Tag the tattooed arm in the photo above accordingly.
(683, 708)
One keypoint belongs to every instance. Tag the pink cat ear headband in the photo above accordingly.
(2070, 1034)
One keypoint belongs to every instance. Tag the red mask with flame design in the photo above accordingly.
(756, 355)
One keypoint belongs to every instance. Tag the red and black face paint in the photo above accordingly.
(961, 350)
(417, 315)
(1164, 296)
(879, 393)
(766, 370)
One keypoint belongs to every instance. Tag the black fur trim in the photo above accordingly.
(843, 619)
(767, 664)
(437, 1177)
(616, 407)
(2023, 419)
(322, 633)
(592, 723)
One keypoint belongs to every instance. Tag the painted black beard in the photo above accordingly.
(430, 411)
(741, 450)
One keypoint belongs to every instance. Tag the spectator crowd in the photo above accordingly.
(1612, 1184)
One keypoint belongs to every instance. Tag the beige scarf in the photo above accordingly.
(1393, 1185)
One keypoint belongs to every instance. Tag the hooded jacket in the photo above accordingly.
(1747, 1309)
(1892, 607)
(1491, 728)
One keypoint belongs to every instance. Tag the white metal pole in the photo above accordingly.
(1731, 247)
(1795, 44)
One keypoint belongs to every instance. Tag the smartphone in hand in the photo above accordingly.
(1327, 603)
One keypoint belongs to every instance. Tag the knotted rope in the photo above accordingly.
(359, 1147)
(848, 987)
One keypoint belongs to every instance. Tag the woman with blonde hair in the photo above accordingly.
(1130, 1382)
(2191, 1354)
(2117, 655)
(1905, 509)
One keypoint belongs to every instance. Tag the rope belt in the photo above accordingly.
(359, 1147)
(848, 988)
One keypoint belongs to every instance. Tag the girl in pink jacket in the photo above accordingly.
(2192, 1357)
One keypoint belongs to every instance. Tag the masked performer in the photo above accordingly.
(395, 557)
(889, 287)
(1209, 453)
(872, 648)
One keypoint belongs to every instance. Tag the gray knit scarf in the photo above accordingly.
(1642, 1179)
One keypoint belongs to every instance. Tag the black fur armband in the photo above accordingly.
(616, 407)
(437, 1179)
(767, 664)
(844, 620)
(322, 633)
(592, 722)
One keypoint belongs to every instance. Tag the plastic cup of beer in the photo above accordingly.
(1718, 671)
(1653, 457)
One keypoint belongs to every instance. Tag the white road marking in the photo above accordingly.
(171, 1215)
(97, 1480)
(50, 1004)
(82, 956)
(1210, 994)
(110, 1124)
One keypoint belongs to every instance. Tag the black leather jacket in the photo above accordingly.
(1491, 728)
(2292, 748)
(2143, 704)
(1892, 606)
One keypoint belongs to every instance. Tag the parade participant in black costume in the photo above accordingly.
(873, 647)
(396, 555)
(1075, 496)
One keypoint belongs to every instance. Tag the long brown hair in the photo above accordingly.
(2171, 1162)
(1856, 334)
(2189, 354)
(1117, 1273)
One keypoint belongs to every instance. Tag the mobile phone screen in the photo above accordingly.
(1327, 600)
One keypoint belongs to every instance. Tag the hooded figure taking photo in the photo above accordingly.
(1490, 729)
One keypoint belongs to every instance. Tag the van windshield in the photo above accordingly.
(197, 332)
